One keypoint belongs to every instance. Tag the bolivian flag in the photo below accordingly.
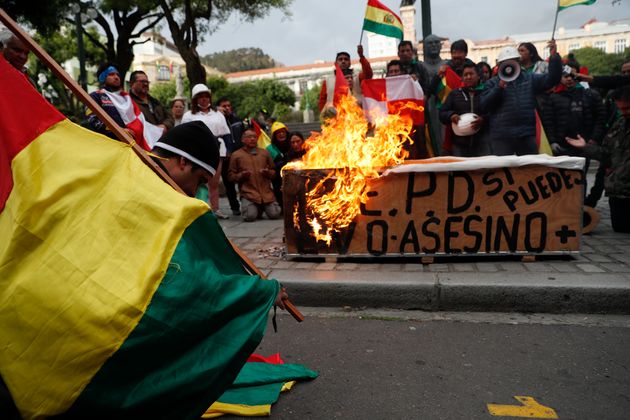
(264, 142)
(563, 4)
(449, 82)
(381, 20)
(119, 297)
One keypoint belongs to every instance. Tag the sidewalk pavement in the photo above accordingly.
(596, 281)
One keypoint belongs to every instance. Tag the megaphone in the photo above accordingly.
(509, 70)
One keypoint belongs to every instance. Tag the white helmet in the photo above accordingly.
(464, 126)
(199, 88)
(508, 53)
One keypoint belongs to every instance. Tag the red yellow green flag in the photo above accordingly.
(264, 142)
(450, 81)
(563, 4)
(381, 20)
(258, 386)
(120, 297)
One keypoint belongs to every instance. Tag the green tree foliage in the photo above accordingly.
(600, 63)
(190, 20)
(311, 96)
(250, 97)
(241, 59)
(247, 98)
(62, 46)
(121, 23)
(42, 15)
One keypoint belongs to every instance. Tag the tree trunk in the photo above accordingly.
(194, 69)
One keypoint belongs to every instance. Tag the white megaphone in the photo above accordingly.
(509, 70)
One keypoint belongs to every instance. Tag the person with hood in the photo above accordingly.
(279, 150)
(511, 104)
(201, 110)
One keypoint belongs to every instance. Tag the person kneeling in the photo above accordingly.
(252, 168)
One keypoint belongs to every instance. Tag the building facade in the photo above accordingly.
(610, 37)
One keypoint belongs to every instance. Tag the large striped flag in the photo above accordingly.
(381, 20)
(563, 4)
(450, 81)
(120, 297)
(393, 95)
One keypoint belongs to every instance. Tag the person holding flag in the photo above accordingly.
(123, 110)
(343, 62)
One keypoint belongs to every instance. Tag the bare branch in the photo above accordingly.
(148, 26)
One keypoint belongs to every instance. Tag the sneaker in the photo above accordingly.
(221, 215)
(236, 212)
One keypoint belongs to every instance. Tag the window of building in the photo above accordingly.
(573, 47)
(484, 58)
(163, 73)
(620, 45)
(600, 45)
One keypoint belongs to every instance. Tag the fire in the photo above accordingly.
(354, 153)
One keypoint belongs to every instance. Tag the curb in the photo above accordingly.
(476, 292)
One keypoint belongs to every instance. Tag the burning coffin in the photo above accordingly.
(443, 206)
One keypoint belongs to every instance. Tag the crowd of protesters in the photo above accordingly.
(495, 110)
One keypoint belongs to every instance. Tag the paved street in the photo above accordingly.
(596, 281)
(449, 366)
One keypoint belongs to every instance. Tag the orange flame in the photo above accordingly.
(354, 156)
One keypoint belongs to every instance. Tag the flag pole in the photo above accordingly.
(553, 32)
(75, 88)
(361, 39)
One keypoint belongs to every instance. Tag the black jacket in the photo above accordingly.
(572, 112)
(460, 101)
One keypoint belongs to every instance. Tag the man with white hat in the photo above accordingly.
(510, 101)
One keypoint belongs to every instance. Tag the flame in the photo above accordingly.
(354, 153)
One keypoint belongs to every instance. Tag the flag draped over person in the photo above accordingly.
(146, 134)
(381, 20)
(393, 95)
(563, 4)
(115, 302)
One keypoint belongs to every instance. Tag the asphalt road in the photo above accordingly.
(415, 365)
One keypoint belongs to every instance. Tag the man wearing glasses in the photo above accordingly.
(151, 108)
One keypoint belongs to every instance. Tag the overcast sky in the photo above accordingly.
(317, 29)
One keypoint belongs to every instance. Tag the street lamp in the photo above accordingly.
(83, 12)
